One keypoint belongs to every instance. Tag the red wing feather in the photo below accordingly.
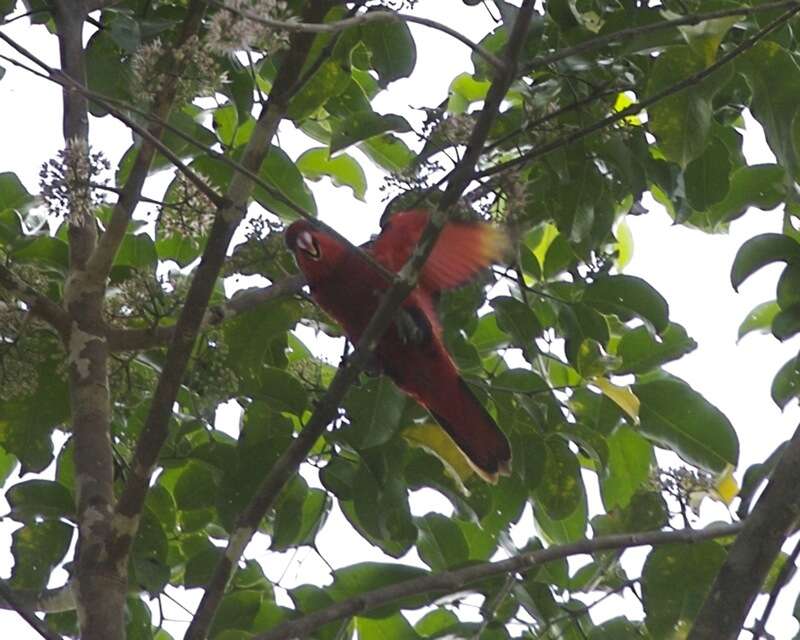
(462, 249)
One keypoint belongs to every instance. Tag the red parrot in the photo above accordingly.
(411, 351)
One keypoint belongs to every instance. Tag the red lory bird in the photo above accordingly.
(411, 351)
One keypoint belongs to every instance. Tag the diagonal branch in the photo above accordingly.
(738, 582)
(242, 302)
(38, 303)
(288, 463)
(7, 594)
(640, 106)
(156, 428)
(446, 582)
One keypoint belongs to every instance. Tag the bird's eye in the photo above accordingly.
(308, 245)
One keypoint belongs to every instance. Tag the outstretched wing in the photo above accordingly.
(462, 249)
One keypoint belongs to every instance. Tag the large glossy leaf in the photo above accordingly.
(786, 384)
(343, 170)
(441, 543)
(682, 121)
(630, 462)
(37, 548)
(675, 416)
(375, 409)
(13, 194)
(675, 580)
(628, 296)
(289, 192)
(40, 498)
(760, 251)
(641, 351)
(393, 53)
(362, 125)
(759, 319)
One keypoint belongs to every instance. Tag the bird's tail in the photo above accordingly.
(474, 431)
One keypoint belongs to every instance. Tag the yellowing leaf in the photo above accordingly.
(624, 245)
(623, 102)
(540, 250)
(726, 486)
(623, 397)
(435, 440)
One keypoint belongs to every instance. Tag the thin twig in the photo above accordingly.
(355, 21)
(38, 625)
(446, 582)
(788, 567)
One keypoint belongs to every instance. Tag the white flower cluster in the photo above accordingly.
(152, 67)
(231, 30)
(186, 210)
(66, 182)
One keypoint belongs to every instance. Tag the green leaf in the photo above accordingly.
(788, 290)
(43, 498)
(13, 194)
(565, 530)
(441, 543)
(299, 515)
(517, 319)
(786, 385)
(464, 90)
(196, 487)
(760, 251)
(363, 577)
(561, 489)
(27, 421)
(431, 624)
(280, 389)
(395, 627)
(629, 465)
(44, 250)
(375, 410)
(759, 319)
(707, 177)
(675, 581)
(616, 629)
(37, 548)
(343, 170)
(641, 351)
(675, 416)
(137, 251)
(681, 122)
(331, 79)
(363, 125)
(389, 152)
(628, 296)
(774, 78)
(393, 53)
(236, 611)
(758, 185)
(786, 323)
(289, 190)
(124, 31)
(200, 567)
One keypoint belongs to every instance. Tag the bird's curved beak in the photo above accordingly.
(306, 243)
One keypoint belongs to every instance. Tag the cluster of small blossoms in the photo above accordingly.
(142, 296)
(232, 30)
(688, 486)
(515, 195)
(263, 252)
(66, 182)
(210, 377)
(152, 68)
(186, 209)
(456, 128)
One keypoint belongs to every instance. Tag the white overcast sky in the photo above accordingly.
(688, 267)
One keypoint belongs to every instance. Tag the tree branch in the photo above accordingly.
(448, 582)
(156, 426)
(287, 464)
(788, 568)
(7, 594)
(749, 560)
(241, 302)
(38, 303)
(640, 106)
(366, 18)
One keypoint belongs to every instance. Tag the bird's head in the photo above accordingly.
(313, 248)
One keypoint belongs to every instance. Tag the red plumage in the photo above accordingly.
(411, 351)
